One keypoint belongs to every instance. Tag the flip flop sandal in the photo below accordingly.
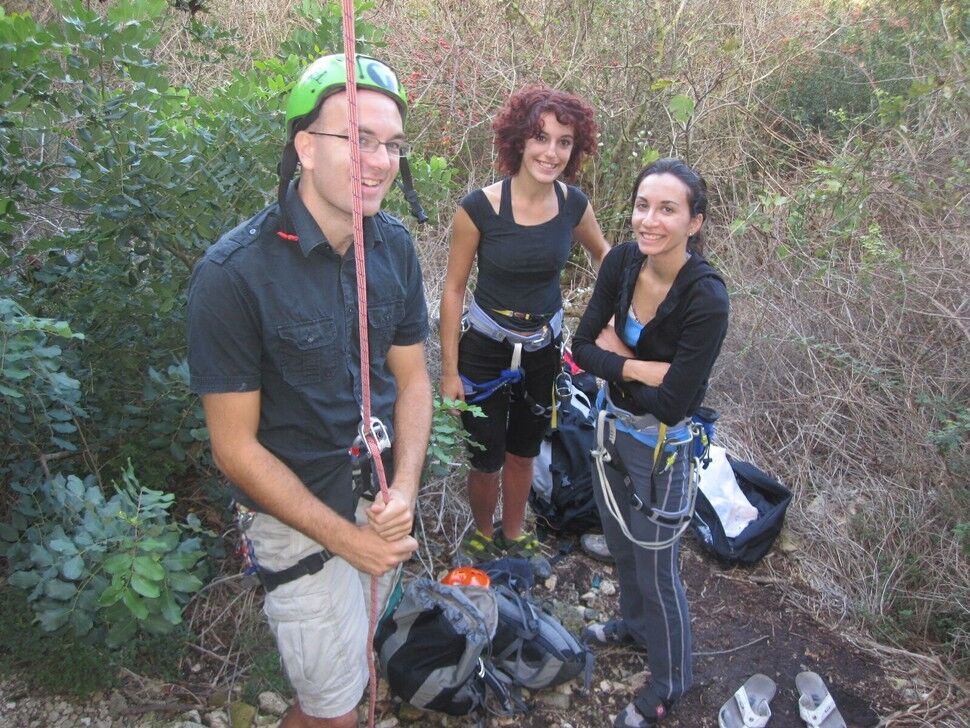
(815, 703)
(748, 707)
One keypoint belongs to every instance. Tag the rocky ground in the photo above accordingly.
(743, 623)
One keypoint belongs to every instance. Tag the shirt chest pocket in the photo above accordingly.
(308, 351)
(383, 317)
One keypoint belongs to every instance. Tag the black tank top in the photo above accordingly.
(519, 265)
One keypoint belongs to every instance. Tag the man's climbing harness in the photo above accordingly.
(668, 445)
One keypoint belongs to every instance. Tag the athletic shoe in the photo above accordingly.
(633, 717)
(594, 545)
(523, 546)
(478, 547)
(612, 633)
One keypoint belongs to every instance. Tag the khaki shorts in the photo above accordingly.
(320, 620)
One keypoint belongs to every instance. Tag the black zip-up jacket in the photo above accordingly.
(687, 332)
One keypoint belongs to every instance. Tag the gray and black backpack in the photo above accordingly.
(434, 649)
(466, 649)
(532, 647)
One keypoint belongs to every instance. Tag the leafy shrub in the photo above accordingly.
(40, 402)
(105, 568)
(448, 437)
(61, 663)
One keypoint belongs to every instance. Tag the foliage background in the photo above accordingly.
(834, 137)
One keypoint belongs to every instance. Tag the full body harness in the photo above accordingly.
(511, 379)
(667, 443)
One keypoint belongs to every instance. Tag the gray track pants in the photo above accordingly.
(652, 599)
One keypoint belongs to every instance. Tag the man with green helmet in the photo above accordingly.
(274, 352)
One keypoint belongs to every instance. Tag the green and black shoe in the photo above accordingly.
(477, 548)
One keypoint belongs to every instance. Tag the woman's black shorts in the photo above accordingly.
(510, 424)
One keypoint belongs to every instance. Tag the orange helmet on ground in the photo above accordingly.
(466, 576)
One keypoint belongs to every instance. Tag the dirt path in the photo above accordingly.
(742, 625)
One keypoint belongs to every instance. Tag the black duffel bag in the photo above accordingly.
(770, 497)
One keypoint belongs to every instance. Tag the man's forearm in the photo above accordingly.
(412, 426)
(280, 493)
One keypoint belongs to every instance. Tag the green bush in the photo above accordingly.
(40, 402)
(108, 568)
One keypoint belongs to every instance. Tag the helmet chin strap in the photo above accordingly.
(286, 170)
(406, 183)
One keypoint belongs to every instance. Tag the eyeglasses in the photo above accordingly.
(370, 144)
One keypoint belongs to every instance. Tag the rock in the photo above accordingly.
(391, 722)
(219, 698)
(191, 715)
(607, 588)
(272, 703)
(788, 542)
(565, 689)
(268, 721)
(217, 719)
(187, 724)
(555, 700)
(572, 616)
(409, 713)
(241, 714)
(818, 506)
(541, 567)
(633, 682)
(588, 597)
(551, 582)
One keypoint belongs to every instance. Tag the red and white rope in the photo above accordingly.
(370, 440)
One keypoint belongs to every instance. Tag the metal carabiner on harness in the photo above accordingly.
(379, 434)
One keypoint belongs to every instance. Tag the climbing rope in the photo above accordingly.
(367, 432)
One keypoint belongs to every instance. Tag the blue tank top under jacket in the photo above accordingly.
(632, 330)
(519, 265)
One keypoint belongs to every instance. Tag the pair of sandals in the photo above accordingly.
(748, 707)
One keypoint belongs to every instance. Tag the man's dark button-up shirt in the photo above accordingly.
(280, 317)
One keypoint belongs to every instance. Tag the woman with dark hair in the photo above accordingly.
(669, 309)
(503, 354)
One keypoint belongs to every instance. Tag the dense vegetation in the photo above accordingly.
(834, 138)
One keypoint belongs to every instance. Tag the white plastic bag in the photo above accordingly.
(722, 491)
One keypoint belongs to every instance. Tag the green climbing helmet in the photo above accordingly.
(328, 75)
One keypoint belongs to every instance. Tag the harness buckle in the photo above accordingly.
(563, 385)
(244, 517)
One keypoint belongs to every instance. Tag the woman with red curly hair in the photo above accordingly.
(503, 354)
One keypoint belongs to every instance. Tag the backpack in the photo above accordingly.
(466, 649)
(532, 647)
(562, 474)
(434, 648)
(767, 495)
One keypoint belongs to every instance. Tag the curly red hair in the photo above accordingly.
(520, 119)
